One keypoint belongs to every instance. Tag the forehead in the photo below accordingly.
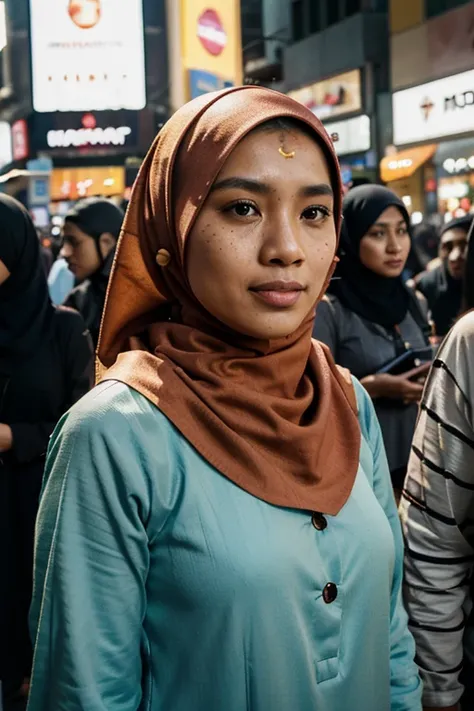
(258, 155)
(391, 214)
(455, 235)
(70, 229)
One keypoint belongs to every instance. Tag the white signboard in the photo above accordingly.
(6, 149)
(440, 108)
(88, 137)
(87, 55)
(353, 135)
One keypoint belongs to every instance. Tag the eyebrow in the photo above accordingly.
(255, 186)
(387, 224)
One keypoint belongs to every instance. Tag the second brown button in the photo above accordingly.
(319, 521)
(330, 593)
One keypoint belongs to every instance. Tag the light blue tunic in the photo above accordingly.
(162, 586)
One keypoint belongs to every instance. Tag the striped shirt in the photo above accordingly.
(437, 511)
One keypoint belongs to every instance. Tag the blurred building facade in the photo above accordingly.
(430, 162)
(333, 57)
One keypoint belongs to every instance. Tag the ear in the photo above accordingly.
(107, 243)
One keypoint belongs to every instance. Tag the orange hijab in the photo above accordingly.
(275, 417)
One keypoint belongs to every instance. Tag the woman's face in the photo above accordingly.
(386, 246)
(260, 251)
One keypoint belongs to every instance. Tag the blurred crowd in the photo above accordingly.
(397, 291)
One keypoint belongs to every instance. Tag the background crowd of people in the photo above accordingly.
(382, 318)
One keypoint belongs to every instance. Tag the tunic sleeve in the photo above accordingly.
(91, 561)
(438, 512)
(405, 684)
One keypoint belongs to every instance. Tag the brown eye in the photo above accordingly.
(243, 208)
(379, 234)
(315, 213)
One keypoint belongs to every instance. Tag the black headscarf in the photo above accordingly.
(468, 300)
(378, 299)
(26, 311)
(96, 216)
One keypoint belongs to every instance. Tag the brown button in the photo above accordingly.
(319, 521)
(330, 593)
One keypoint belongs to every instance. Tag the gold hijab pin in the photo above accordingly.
(163, 257)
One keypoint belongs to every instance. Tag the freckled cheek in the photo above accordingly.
(224, 254)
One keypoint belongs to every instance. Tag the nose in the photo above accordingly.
(393, 244)
(456, 254)
(66, 251)
(281, 245)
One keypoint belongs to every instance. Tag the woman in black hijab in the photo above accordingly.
(90, 234)
(369, 316)
(46, 363)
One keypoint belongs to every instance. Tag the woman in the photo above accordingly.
(218, 543)
(438, 513)
(45, 366)
(90, 234)
(370, 317)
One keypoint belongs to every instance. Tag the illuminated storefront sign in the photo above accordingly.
(458, 165)
(88, 137)
(105, 131)
(440, 108)
(353, 135)
(403, 164)
(87, 55)
(74, 183)
(341, 94)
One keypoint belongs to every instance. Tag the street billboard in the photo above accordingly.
(336, 96)
(211, 38)
(440, 108)
(87, 55)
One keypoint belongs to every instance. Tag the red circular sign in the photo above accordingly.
(211, 32)
(85, 13)
(89, 121)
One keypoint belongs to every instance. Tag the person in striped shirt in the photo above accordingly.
(437, 511)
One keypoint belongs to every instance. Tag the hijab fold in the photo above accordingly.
(26, 311)
(378, 299)
(276, 417)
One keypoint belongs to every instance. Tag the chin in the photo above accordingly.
(267, 331)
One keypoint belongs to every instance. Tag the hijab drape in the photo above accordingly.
(275, 417)
(26, 311)
(378, 299)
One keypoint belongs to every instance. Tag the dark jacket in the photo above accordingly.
(444, 297)
(89, 298)
(33, 397)
(363, 348)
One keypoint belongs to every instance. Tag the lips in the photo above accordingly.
(279, 293)
(394, 263)
(278, 286)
